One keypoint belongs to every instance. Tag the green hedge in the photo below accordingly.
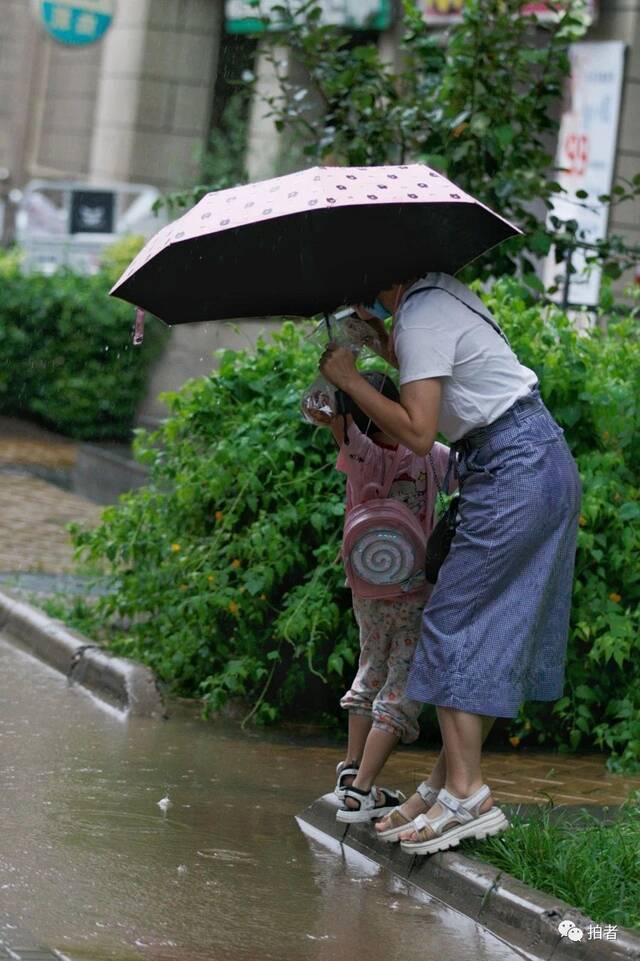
(66, 357)
(225, 564)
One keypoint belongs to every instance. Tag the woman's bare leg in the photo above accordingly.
(462, 735)
(437, 779)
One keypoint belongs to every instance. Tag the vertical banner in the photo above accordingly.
(586, 153)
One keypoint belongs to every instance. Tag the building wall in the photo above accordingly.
(135, 106)
(155, 91)
(620, 20)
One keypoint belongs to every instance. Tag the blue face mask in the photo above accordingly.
(377, 309)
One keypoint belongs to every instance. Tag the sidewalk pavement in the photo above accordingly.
(33, 538)
(34, 513)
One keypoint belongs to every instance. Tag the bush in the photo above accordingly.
(226, 561)
(66, 355)
(225, 564)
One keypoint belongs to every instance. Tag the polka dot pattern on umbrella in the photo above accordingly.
(305, 190)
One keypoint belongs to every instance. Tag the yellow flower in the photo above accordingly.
(514, 741)
(235, 563)
(263, 597)
(233, 608)
(218, 515)
(582, 521)
(615, 598)
(211, 578)
(175, 548)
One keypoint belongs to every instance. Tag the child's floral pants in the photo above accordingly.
(389, 631)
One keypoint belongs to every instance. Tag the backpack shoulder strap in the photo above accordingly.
(393, 470)
(380, 491)
(486, 318)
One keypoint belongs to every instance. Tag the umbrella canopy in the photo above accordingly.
(307, 243)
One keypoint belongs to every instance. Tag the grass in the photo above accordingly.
(592, 866)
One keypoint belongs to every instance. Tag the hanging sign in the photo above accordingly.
(243, 16)
(586, 156)
(450, 11)
(75, 22)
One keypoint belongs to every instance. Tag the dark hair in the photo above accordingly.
(384, 385)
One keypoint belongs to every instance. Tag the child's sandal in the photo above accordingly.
(344, 770)
(368, 804)
(460, 818)
(399, 823)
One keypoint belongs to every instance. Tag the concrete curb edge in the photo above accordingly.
(125, 684)
(518, 914)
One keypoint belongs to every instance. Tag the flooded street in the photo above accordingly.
(92, 867)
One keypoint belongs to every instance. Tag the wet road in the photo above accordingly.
(92, 867)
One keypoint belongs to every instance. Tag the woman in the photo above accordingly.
(495, 629)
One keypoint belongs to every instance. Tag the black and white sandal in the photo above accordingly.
(344, 770)
(370, 806)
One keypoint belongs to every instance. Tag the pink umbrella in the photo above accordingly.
(307, 243)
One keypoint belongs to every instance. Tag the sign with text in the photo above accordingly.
(586, 153)
(243, 16)
(75, 22)
(450, 11)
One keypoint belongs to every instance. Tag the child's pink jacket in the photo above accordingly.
(364, 462)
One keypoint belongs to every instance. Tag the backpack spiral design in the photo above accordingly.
(383, 556)
(383, 549)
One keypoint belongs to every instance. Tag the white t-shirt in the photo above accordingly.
(437, 336)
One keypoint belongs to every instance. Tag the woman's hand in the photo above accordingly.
(386, 341)
(338, 365)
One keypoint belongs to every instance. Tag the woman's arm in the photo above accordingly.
(413, 422)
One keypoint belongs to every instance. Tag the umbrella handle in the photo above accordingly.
(342, 409)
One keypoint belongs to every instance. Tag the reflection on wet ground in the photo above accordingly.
(91, 866)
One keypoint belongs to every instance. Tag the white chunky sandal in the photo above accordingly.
(400, 823)
(460, 818)
(344, 770)
(368, 804)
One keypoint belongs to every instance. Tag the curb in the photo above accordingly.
(525, 918)
(124, 684)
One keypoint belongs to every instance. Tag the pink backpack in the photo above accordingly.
(384, 545)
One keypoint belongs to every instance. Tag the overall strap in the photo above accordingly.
(491, 322)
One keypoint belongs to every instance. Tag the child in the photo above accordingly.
(380, 714)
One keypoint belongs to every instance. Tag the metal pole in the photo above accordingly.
(567, 280)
